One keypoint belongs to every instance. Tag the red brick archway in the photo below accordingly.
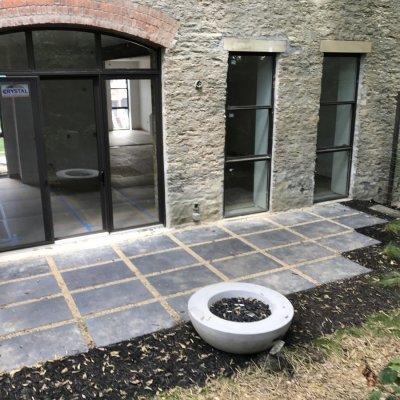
(116, 15)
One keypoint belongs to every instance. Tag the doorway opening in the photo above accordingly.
(88, 127)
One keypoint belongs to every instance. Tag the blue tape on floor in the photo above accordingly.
(87, 226)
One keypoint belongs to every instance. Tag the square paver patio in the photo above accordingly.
(279, 237)
(23, 268)
(360, 220)
(348, 241)
(318, 229)
(198, 235)
(223, 248)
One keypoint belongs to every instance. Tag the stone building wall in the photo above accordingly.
(193, 31)
(194, 124)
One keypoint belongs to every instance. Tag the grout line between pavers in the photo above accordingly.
(103, 285)
(71, 303)
(84, 266)
(146, 283)
(41, 328)
(25, 278)
(288, 266)
(332, 219)
(202, 260)
(31, 301)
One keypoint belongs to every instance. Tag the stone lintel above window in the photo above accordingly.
(345, 46)
(255, 45)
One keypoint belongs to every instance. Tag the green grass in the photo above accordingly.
(392, 250)
(391, 279)
(2, 151)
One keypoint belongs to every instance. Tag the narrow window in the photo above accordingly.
(336, 126)
(248, 133)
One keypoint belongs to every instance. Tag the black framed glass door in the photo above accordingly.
(24, 211)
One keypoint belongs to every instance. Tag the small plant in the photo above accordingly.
(392, 250)
(389, 383)
(394, 227)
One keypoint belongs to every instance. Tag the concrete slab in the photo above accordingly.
(92, 276)
(126, 324)
(27, 290)
(348, 241)
(111, 297)
(224, 248)
(299, 253)
(180, 281)
(333, 269)
(26, 316)
(284, 282)
(40, 346)
(246, 265)
(164, 261)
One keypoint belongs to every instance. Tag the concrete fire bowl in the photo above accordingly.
(239, 337)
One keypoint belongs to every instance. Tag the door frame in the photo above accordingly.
(40, 156)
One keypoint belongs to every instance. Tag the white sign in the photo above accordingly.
(18, 90)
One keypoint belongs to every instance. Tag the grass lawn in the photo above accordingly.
(344, 365)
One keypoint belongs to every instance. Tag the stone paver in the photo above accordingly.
(333, 269)
(284, 282)
(279, 237)
(23, 268)
(224, 248)
(38, 346)
(113, 296)
(360, 220)
(164, 261)
(97, 275)
(318, 229)
(28, 289)
(84, 257)
(198, 235)
(111, 310)
(147, 245)
(246, 265)
(299, 253)
(26, 316)
(348, 241)
(130, 323)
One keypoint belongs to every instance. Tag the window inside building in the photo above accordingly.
(248, 133)
(336, 126)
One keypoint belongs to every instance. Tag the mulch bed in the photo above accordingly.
(178, 357)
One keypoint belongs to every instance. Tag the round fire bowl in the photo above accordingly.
(239, 337)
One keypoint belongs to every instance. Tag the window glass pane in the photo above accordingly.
(247, 132)
(334, 127)
(331, 175)
(120, 53)
(119, 98)
(249, 80)
(13, 55)
(120, 118)
(118, 84)
(246, 187)
(339, 78)
(64, 50)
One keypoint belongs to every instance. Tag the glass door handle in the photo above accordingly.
(102, 177)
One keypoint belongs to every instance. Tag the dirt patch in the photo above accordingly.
(178, 357)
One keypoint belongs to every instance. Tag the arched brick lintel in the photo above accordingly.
(119, 16)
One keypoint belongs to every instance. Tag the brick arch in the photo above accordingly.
(118, 15)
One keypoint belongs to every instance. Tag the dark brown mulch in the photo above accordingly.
(240, 309)
(178, 357)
